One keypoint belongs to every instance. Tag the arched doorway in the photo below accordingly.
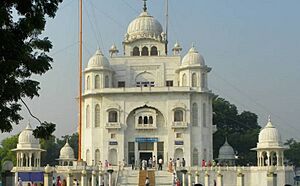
(178, 153)
(112, 157)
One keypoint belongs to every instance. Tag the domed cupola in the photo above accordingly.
(226, 153)
(27, 140)
(144, 26)
(98, 60)
(66, 156)
(269, 136)
(193, 58)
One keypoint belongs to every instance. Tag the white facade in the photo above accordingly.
(146, 103)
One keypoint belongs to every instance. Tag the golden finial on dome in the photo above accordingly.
(145, 6)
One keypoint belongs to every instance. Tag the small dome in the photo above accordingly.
(144, 26)
(269, 134)
(193, 58)
(26, 138)
(226, 152)
(98, 60)
(66, 152)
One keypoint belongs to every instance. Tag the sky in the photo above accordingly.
(252, 46)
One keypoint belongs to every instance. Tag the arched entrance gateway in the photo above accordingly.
(112, 158)
(145, 135)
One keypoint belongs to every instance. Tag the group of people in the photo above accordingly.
(150, 163)
(176, 164)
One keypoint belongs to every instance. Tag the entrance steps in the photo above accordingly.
(163, 178)
(142, 177)
(128, 177)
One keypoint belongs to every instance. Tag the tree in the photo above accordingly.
(23, 54)
(5, 150)
(241, 130)
(292, 153)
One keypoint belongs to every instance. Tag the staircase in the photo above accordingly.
(142, 177)
(128, 177)
(163, 178)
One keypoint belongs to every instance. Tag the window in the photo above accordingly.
(112, 116)
(113, 136)
(106, 83)
(150, 120)
(184, 82)
(121, 83)
(178, 135)
(154, 51)
(178, 115)
(195, 114)
(88, 156)
(88, 82)
(194, 80)
(97, 156)
(145, 84)
(140, 120)
(87, 116)
(202, 80)
(145, 51)
(97, 116)
(136, 51)
(169, 83)
(145, 120)
(204, 114)
(97, 81)
(195, 157)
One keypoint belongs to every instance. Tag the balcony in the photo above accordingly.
(179, 125)
(113, 125)
(145, 126)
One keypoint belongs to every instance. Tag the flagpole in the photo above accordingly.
(80, 81)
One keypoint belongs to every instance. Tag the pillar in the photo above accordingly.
(271, 177)
(268, 156)
(206, 179)
(30, 158)
(219, 179)
(184, 171)
(83, 178)
(100, 177)
(69, 178)
(110, 182)
(189, 179)
(240, 180)
(94, 178)
(197, 177)
(48, 177)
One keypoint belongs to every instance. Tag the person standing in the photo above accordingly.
(160, 162)
(177, 182)
(150, 162)
(154, 162)
(20, 182)
(177, 164)
(147, 182)
(183, 162)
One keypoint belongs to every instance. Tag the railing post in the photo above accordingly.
(219, 179)
(206, 179)
(240, 178)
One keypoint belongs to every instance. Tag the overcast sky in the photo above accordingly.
(252, 46)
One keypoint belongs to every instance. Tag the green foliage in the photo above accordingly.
(22, 54)
(292, 154)
(241, 130)
(5, 149)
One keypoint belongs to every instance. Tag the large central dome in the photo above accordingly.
(144, 26)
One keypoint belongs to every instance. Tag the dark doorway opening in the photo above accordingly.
(145, 156)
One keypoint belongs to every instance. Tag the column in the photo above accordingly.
(240, 178)
(110, 182)
(48, 176)
(183, 176)
(219, 179)
(100, 176)
(83, 178)
(189, 179)
(155, 151)
(206, 179)
(268, 156)
(272, 177)
(136, 154)
(69, 178)
(94, 178)
(197, 177)
(30, 158)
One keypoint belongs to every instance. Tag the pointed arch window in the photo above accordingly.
(140, 120)
(97, 116)
(184, 81)
(153, 51)
(97, 82)
(88, 157)
(194, 80)
(202, 80)
(145, 51)
(195, 114)
(145, 120)
(88, 82)
(195, 157)
(97, 156)
(106, 83)
(87, 116)
(136, 51)
(150, 120)
(204, 114)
